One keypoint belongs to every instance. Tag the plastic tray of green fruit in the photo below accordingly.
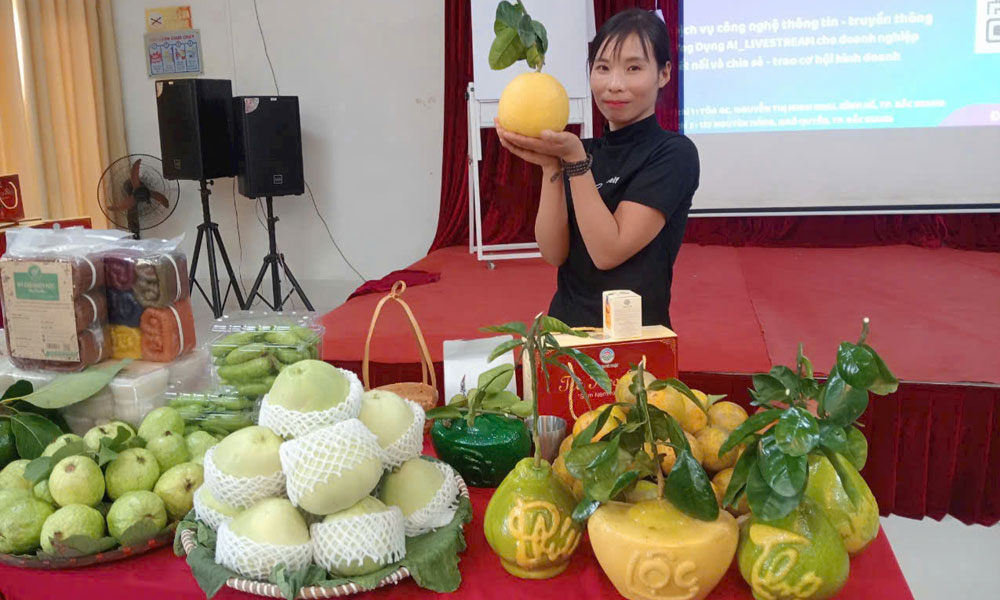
(219, 412)
(250, 348)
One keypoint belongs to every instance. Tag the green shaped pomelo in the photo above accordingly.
(75, 519)
(840, 491)
(59, 442)
(41, 491)
(77, 480)
(134, 469)
(309, 386)
(133, 507)
(12, 476)
(797, 557)
(272, 521)
(366, 506)
(92, 439)
(159, 421)
(169, 448)
(412, 486)
(386, 415)
(531, 499)
(249, 452)
(21, 522)
(197, 443)
(177, 486)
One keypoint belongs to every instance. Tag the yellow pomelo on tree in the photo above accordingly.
(533, 102)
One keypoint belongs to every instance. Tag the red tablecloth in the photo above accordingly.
(161, 576)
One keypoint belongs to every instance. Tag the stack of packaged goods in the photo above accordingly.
(55, 311)
(148, 300)
(251, 348)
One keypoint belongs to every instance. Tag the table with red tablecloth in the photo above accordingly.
(160, 575)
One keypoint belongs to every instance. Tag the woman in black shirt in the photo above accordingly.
(613, 209)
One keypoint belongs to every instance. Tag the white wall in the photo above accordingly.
(369, 76)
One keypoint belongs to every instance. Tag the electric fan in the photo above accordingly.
(134, 195)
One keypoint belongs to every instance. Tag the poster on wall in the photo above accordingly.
(172, 53)
(168, 18)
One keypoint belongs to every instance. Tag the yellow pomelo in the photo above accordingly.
(622, 393)
(711, 439)
(726, 415)
(533, 102)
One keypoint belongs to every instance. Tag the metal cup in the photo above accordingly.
(551, 432)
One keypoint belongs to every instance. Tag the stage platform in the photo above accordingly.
(935, 313)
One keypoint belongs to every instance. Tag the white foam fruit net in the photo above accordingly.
(347, 542)
(292, 423)
(254, 559)
(206, 514)
(441, 508)
(241, 492)
(411, 443)
(325, 454)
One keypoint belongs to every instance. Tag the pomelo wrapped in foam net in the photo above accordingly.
(331, 468)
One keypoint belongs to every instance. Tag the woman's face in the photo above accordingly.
(625, 84)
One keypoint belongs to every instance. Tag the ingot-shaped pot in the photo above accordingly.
(529, 524)
(650, 550)
(798, 557)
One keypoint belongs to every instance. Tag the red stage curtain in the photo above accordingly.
(509, 186)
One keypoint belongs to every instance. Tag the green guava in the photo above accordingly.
(169, 448)
(133, 507)
(21, 522)
(134, 469)
(75, 519)
(77, 480)
(177, 486)
(161, 420)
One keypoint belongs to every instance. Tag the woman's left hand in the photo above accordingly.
(564, 145)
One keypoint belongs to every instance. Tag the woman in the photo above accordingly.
(613, 209)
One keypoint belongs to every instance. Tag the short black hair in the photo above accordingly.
(651, 30)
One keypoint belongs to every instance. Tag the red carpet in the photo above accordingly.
(738, 311)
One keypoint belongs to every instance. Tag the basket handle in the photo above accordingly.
(426, 365)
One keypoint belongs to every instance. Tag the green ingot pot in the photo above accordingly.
(529, 524)
(484, 453)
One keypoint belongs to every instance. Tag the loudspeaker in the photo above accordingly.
(268, 141)
(196, 124)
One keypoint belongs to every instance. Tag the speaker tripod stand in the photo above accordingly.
(271, 261)
(208, 232)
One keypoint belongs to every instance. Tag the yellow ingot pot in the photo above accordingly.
(652, 551)
(529, 524)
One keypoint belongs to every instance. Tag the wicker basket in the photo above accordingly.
(269, 590)
(164, 538)
(423, 392)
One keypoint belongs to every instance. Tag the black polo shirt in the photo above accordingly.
(640, 163)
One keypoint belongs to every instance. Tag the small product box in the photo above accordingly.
(622, 314)
(655, 343)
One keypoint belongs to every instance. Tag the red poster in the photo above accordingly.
(11, 206)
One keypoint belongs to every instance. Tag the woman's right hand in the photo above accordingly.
(509, 141)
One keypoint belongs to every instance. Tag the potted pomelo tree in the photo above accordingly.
(810, 508)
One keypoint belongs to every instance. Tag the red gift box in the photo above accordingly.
(657, 344)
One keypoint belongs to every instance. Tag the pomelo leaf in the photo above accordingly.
(506, 50)
(70, 388)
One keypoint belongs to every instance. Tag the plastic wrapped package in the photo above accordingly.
(219, 412)
(250, 348)
(11, 374)
(52, 284)
(138, 389)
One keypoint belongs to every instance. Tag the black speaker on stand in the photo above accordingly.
(195, 122)
(268, 142)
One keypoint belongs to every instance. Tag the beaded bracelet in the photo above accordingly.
(574, 169)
